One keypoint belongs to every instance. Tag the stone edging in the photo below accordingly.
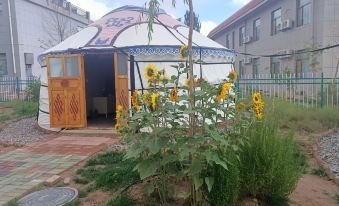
(316, 149)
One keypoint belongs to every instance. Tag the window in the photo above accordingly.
(72, 67)
(302, 65)
(256, 29)
(55, 65)
(233, 39)
(241, 69)
(241, 35)
(1, 6)
(303, 12)
(122, 64)
(276, 21)
(3, 64)
(29, 72)
(228, 41)
(275, 66)
(256, 67)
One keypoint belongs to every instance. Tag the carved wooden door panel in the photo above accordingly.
(66, 88)
(121, 80)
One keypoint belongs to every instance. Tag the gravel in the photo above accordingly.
(21, 133)
(329, 151)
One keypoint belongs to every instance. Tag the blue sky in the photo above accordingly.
(211, 12)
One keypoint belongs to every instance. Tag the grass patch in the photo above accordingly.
(20, 109)
(109, 171)
(299, 119)
(337, 197)
(319, 171)
(123, 199)
(75, 202)
(13, 203)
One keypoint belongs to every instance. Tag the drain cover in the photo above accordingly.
(56, 196)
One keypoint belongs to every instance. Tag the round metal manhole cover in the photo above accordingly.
(56, 196)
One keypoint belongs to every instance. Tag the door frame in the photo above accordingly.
(81, 78)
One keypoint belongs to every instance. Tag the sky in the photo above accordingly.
(211, 12)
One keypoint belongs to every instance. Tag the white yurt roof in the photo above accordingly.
(126, 28)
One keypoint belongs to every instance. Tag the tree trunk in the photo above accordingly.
(190, 61)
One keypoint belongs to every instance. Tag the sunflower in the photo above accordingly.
(135, 100)
(154, 97)
(145, 98)
(184, 52)
(118, 112)
(174, 94)
(256, 98)
(240, 106)
(259, 113)
(151, 72)
(163, 78)
(233, 76)
(117, 126)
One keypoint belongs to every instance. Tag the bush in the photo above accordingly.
(270, 165)
(123, 199)
(226, 188)
(33, 90)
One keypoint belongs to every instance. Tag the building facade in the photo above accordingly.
(287, 27)
(28, 27)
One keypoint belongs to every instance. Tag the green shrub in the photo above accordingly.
(123, 199)
(33, 90)
(226, 187)
(270, 165)
(320, 171)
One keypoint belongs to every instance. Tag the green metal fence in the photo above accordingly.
(306, 89)
(14, 88)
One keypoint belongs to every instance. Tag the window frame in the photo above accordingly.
(256, 28)
(300, 13)
(256, 67)
(63, 64)
(273, 66)
(274, 21)
(5, 68)
(241, 35)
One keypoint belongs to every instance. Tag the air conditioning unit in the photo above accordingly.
(287, 53)
(287, 24)
(247, 60)
(247, 39)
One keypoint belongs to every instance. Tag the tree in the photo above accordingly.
(196, 23)
(57, 25)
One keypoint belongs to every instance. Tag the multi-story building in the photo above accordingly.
(28, 27)
(266, 27)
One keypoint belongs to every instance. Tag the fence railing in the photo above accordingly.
(306, 89)
(15, 88)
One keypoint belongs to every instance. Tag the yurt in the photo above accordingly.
(86, 76)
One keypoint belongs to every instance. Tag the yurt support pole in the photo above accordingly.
(200, 63)
(141, 82)
(132, 79)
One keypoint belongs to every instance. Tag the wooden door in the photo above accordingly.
(121, 80)
(66, 89)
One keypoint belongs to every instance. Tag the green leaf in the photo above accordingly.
(147, 168)
(149, 189)
(197, 182)
(212, 156)
(195, 168)
(209, 182)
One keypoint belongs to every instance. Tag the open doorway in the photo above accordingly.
(100, 90)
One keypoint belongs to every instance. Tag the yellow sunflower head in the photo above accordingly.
(163, 78)
(119, 108)
(233, 76)
(256, 98)
(184, 52)
(135, 100)
(145, 98)
(174, 94)
(117, 126)
(154, 98)
(259, 113)
(151, 72)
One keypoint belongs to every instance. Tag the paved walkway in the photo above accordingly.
(23, 169)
